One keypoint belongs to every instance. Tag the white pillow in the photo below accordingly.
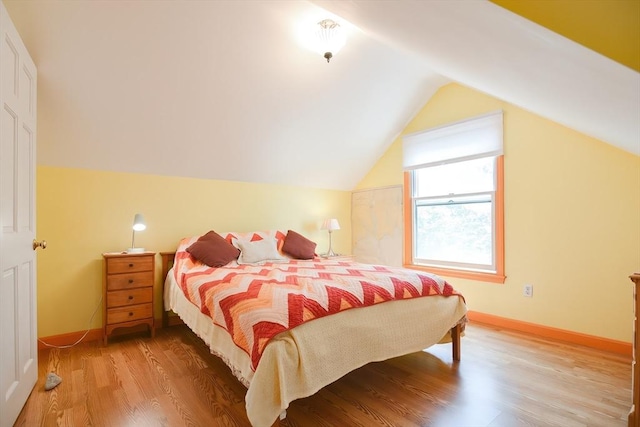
(259, 251)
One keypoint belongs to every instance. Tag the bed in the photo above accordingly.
(287, 327)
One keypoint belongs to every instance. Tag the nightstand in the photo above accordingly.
(128, 291)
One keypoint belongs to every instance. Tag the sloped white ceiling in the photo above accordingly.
(213, 89)
(500, 53)
(223, 89)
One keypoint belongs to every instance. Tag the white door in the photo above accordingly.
(18, 336)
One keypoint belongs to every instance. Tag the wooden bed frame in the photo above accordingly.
(167, 263)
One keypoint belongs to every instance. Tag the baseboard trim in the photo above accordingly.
(92, 335)
(69, 339)
(591, 341)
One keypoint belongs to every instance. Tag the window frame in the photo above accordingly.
(465, 273)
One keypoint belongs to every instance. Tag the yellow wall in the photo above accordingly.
(611, 28)
(572, 219)
(83, 213)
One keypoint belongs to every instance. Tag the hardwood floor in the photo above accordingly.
(504, 379)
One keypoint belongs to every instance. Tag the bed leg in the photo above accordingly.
(278, 422)
(455, 342)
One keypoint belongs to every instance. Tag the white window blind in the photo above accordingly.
(464, 140)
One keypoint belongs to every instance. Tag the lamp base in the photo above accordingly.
(135, 250)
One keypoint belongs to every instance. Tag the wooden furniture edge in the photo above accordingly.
(633, 420)
(591, 341)
(456, 333)
(167, 263)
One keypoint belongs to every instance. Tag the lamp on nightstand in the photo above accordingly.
(330, 225)
(138, 225)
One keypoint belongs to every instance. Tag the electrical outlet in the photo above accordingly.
(527, 291)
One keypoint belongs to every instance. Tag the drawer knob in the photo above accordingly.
(130, 314)
(130, 297)
(131, 264)
(130, 280)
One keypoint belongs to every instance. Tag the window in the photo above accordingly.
(454, 199)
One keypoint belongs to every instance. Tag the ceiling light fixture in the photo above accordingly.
(331, 38)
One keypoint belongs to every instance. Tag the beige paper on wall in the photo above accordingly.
(376, 224)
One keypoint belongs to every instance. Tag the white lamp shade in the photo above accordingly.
(330, 224)
(138, 223)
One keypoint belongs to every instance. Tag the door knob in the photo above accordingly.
(42, 244)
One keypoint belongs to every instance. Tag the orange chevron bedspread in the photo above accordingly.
(254, 303)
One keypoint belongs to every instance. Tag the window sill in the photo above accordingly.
(462, 274)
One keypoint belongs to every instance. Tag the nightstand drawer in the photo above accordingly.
(128, 264)
(129, 281)
(126, 314)
(129, 297)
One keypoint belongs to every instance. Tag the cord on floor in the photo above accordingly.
(82, 337)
